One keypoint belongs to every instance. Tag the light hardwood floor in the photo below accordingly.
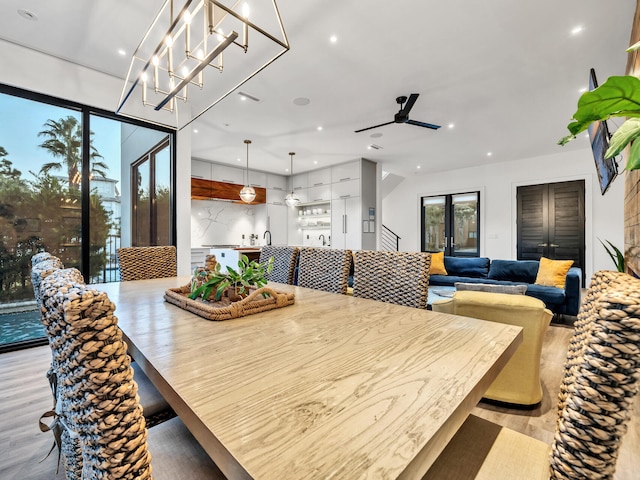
(25, 395)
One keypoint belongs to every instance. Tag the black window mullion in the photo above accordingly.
(85, 193)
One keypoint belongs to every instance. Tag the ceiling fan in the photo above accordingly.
(403, 115)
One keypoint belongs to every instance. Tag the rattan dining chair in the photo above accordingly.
(393, 277)
(42, 265)
(324, 269)
(98, 409)
(604, 371)
(143, 263)
(284, 262)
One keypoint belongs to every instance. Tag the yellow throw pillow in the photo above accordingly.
(437, 264)
(553, 273)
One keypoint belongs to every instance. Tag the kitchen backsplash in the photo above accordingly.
(223, 223)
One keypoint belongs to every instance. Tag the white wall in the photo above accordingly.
(31, 70)
(497, 184)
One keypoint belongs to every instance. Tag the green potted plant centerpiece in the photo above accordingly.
(236, 284)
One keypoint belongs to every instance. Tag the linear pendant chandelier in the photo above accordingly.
(195, 53)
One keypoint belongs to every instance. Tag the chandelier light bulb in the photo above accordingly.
(245, 11)
(168, 40)
(155, 60)
(187, 18)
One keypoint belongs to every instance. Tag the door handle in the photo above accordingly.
(553, 245)
(542, 244)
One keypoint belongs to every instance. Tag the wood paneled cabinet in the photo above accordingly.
(212, 190)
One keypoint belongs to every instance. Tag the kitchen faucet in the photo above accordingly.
(265, 236)
(322, 237)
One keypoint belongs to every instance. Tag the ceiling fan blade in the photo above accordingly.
(409, 105)
(375, 126)
(423, 124)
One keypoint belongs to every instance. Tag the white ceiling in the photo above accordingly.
(507, 74)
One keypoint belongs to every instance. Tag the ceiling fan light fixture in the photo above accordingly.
(292, 199)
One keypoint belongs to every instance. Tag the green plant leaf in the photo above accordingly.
(618, 96)
(635, 46)
(628, 131)
(618, 258)
(633, 162)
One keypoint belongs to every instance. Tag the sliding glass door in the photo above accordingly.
(61, 191)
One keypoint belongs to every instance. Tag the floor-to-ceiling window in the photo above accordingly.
(61, 191)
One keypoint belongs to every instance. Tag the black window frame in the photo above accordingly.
(449, 220)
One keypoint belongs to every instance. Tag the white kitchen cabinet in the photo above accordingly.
(319, 177)
(299, 181)
(345, 172)
(257, 179)
(276, 182)
(277, 223)
(276, 196)
(227, 174)
(301, 193)
(346, 223)
(201, 169)
(346, 189)
(321, 193)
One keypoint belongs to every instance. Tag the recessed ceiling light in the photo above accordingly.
(451, 125)
(489, 154)
(418, 167)
(122, 52)
(576, 30)
(333, 39)
(286, 169)
(28, 15)
(195, 130)
(320, 128)
(315, 162)
(301, 101)
(239, 159)
(583, 89)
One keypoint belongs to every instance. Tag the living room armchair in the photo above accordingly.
(519, 381)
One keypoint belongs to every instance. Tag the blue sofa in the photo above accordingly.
(513, 272)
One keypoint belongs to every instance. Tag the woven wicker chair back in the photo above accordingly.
(97, 394)
(604, 381)
(42, 267)
(601, 282)
(284, 262)
(393, 277)
(143, 263)
(324, 269)
(39, 257)
(58, 333)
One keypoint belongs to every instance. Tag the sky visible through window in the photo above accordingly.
(21, 120)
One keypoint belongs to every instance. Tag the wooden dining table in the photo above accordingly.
(331, 387)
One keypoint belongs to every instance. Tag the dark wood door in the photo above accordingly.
(551, 222)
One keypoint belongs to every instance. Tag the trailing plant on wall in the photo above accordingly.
(617, 97)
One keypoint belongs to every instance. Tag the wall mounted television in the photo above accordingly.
(599, 137)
